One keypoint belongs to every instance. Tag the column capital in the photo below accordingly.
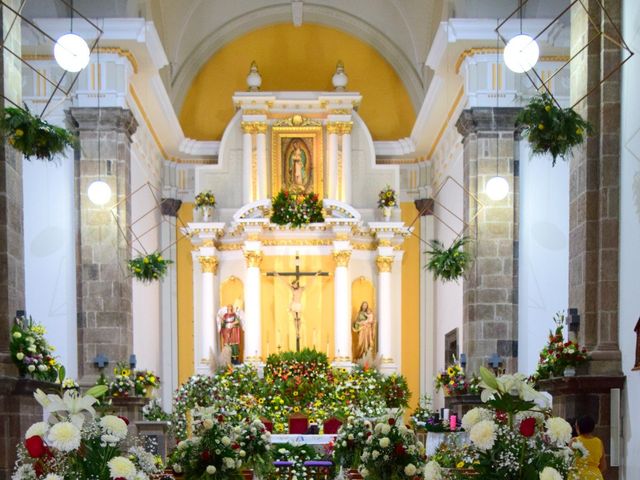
(107, 119)
(342, 128)
(384, 263)
(342, 257)
(208, 263)
(254, 127)
(487, 119)
(253, 258)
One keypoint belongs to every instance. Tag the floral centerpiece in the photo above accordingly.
(32, 136)
(514, 434)
(145, 382)
(205, 202)
(255, 447)
(350, 442)
(211, 453)
(31, 352)
(551, 129)
(77, 443)
(296, 209)
(453, 381)
(392, 452)
(148, 268)
(297, 455)
(424, 413)
(387, 199)
(455, 457)
(396, 391)
(122, 384)
(559, 355)
(448, 264)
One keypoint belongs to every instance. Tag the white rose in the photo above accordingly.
(226, 441)
(375, 454)
(410, 470)
(211, 469)
(384, 442)
(483, 434)
(385, 429)
(31, 368)
(19, 355)
(229, 463)
(207, 423)
(550, 473)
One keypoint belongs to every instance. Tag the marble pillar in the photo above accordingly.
(247, 154)
(261, 160)
(252, 303)
(384, 264)
(342, 308)
(208, 301)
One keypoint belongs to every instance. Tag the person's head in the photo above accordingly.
(229, 308)
(585, 425)
(364, 307)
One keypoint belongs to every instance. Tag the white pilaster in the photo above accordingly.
(342, 306)
(247, 151)
(331, 181)
(252, 302)
(384, 264)
(346, 168)
(261, 159)
(208, 301)
(169, 321)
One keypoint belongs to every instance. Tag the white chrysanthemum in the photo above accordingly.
(550, 473)
(207, 423)
(385, 429)
(211, 469)
(474, 416)
(53, 476)
(120, 467)
(384, 442)
(226, 441)
(112, 425)
(375, 454)
(38, 429)
(410, 470)
(433, 471)
(111, 440)
(483, 434)
(229, 463)
(558, 430)
(64, 436)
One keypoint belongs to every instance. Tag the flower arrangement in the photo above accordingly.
(205, 199)
(122, 384)
(153, 412)
(453, 381)
(423, 413)
(255, 447)
(514, 435)
(145, 381)
(32, 136)
(31, 352)
(296, 454)
(551, 129)
(212, 451)
(350, 442)
(148, 268)
(392, 452)
(296, 209)
(387, 198)
(455, 456)
(448, 264)
(77, 443)
(559, 354)
(396, 391)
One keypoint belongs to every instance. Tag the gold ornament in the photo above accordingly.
(384, 263)
(253, 258)
(208, 264)
(342, 258)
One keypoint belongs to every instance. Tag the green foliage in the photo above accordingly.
(551, 129)
(148, 268)
(448, 264)
(296, 209)
(32, 136)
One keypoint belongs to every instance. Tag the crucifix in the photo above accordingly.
(296, 293)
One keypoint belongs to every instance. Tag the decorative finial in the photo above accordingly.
(340, 79)
(254, 79)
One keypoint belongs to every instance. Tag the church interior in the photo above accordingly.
(319, 239)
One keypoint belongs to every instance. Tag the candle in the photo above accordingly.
(453, 422)
(445, 414)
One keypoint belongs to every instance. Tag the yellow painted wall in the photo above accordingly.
(411, 307)
(185, 298)
(297, 58)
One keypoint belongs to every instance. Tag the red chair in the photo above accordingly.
(298, 424)
(331, 426)
(268, 424)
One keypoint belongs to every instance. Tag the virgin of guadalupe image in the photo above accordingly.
(297, 164)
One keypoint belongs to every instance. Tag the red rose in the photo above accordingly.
(528, 427)
(400, 450)
(35, 446)
(124, 419)
(392, 421)
(221, 418)
(205, 455)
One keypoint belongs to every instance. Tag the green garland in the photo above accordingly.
(148, 268)
(32, 136)
(296, 209)
(451, 263)
(551, 129)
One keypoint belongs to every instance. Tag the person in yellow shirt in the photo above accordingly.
(593, 465)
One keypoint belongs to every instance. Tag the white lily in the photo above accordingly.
(42, 398)
(76, 407)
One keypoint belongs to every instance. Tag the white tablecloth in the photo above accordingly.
(306, 439)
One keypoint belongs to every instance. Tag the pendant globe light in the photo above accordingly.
(521, 52)
(99, 191)
(71, 51)
(497, 187)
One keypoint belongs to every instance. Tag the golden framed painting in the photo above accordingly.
(296, 159)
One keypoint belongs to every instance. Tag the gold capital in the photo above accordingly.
(261, 127)
(208, 264)
(384, 263)
(342, 258)
(339, 127)
(253, 258)
(254, 127)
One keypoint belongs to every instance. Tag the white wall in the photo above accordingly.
(543, 281)
(49, 248)
(630, 239)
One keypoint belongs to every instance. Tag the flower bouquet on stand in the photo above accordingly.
(392, 452)
(387, 201)
(296, 208)
(514, 435)
(145, 382)
(31, 352)
(396, 393)
(255, 449)
(453, 381)
(350, 443)
(205, 203)
(77, 443)
(559, 357)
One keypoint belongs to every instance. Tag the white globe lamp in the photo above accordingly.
(99, 192)
(497, 188)
(71, 52)
(521, 53)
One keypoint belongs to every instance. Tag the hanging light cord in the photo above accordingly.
(99, 89)
(497, 95)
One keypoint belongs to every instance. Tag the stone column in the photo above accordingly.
(342, 308)
(385, 322)
(345, 180)
(261, 159)
(252, 304)
(247, 154)
(209, 310)
(490, 289)
(595, 190)
(331, 178)
(103, 286)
